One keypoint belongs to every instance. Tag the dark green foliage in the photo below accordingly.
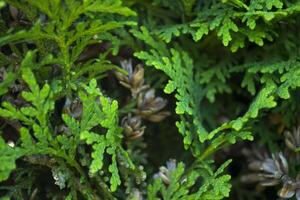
(78, 120)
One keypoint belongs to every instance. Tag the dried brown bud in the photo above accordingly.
(135, 78)
(149, 106)
(292, 139)
(277, 121)
(268, 170)
(14, 12)
(63, 129)
(3, 74)
(271, 171)
(73, 107)
(133, 128)
(164, 172)
(288, 190)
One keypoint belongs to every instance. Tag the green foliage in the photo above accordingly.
(69, 34)
(230, 73)
(107, 116)
(64, 146)
(60, 34)
(223, 17)
(215, 185)
(8, 158)
(180, 70)
(34, 116)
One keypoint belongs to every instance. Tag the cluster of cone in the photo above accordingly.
(149, 106)
(273, 169)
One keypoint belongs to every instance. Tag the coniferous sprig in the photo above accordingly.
(111, 141)
(254, 19)
(61, 24)
(230, 69)
(172, 182)
(179, 68)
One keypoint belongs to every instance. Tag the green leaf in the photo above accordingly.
(182, 185)
(8, 157)
(106, 115)
(264, 99)
(26, 138)
(167, 33)
(274, 3)
(108, 6)
(290, 80)
(225, 29)
(179, 68)
(202, 29)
